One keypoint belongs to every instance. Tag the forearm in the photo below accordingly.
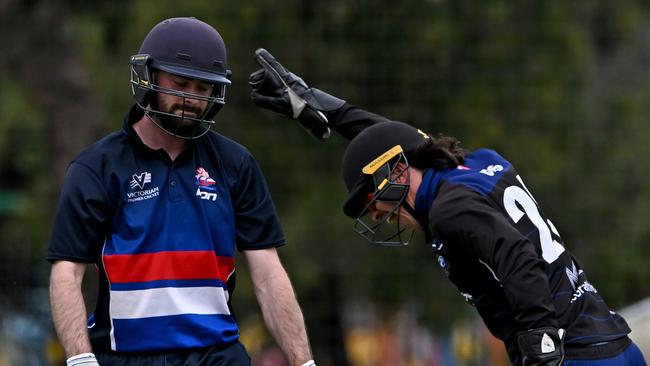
(349, 120)
(283, 317)
(68, 308)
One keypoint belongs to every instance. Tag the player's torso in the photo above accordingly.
(168, 259)
(579, 307)
(167, 206)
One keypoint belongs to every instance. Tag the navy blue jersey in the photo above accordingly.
(503, 254)
(507, 258)
(163, 235)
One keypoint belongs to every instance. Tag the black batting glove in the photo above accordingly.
(276, 88)
(541, 346)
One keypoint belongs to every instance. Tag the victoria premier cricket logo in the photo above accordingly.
(206, 186)
(137, 185)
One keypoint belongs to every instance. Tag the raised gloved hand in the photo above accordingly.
(84, 359)
(276, 88)
(541, 346)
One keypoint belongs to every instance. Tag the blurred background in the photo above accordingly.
(560, 88)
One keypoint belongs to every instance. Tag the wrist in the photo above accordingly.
(83, 359)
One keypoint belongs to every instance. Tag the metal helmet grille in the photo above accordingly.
(389, 230)
(182, 126)
(369, 145)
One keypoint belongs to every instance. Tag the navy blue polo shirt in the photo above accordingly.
(163, 234)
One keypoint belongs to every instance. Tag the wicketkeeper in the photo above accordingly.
(488, 232)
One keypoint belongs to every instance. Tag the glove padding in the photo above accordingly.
(541, 346)
(276, 88)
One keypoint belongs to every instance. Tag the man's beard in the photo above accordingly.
(178, 124)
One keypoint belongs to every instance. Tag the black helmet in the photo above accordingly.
(369, 151)
(185, 47)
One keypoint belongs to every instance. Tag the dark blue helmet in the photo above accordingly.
(185, 47)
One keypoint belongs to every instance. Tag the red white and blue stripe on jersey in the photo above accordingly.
(155, 293)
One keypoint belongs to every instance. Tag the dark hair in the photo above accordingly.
(440, 152)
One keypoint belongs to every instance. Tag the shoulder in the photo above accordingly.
(231, 154)
(484, 155)
(104, 149)
(463, 214)
(224, 145)
(453, 199)
(453, 210)
(481, 171)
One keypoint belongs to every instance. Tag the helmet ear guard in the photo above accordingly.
(140, 79)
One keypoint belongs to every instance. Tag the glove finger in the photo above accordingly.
(266, 83)
(256, 78)
(263, 56)
(267, 61)
(275, 104)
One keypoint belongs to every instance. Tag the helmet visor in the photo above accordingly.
(191, 73)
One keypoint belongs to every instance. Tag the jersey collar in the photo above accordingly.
(134, 115)
(424, 198)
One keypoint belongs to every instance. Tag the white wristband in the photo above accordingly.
(309, 363)
(84, 359)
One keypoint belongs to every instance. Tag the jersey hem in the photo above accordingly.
(609, 349)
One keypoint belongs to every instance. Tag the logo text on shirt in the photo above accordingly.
(139, 181)
(492, 169)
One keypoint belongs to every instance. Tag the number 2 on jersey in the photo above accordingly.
(512, 195)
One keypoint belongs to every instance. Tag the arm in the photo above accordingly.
(278, 89)
(78, 232)
(279, 305)
(68, 308)
(463, 217)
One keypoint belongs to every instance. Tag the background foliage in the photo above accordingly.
(560, 88)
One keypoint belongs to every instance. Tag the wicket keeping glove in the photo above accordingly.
(541, 346)
(84, 359)
(276, 88)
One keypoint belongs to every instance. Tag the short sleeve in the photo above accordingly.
(82, 218)
(257, 225)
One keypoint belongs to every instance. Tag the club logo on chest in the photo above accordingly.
(206, 186)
